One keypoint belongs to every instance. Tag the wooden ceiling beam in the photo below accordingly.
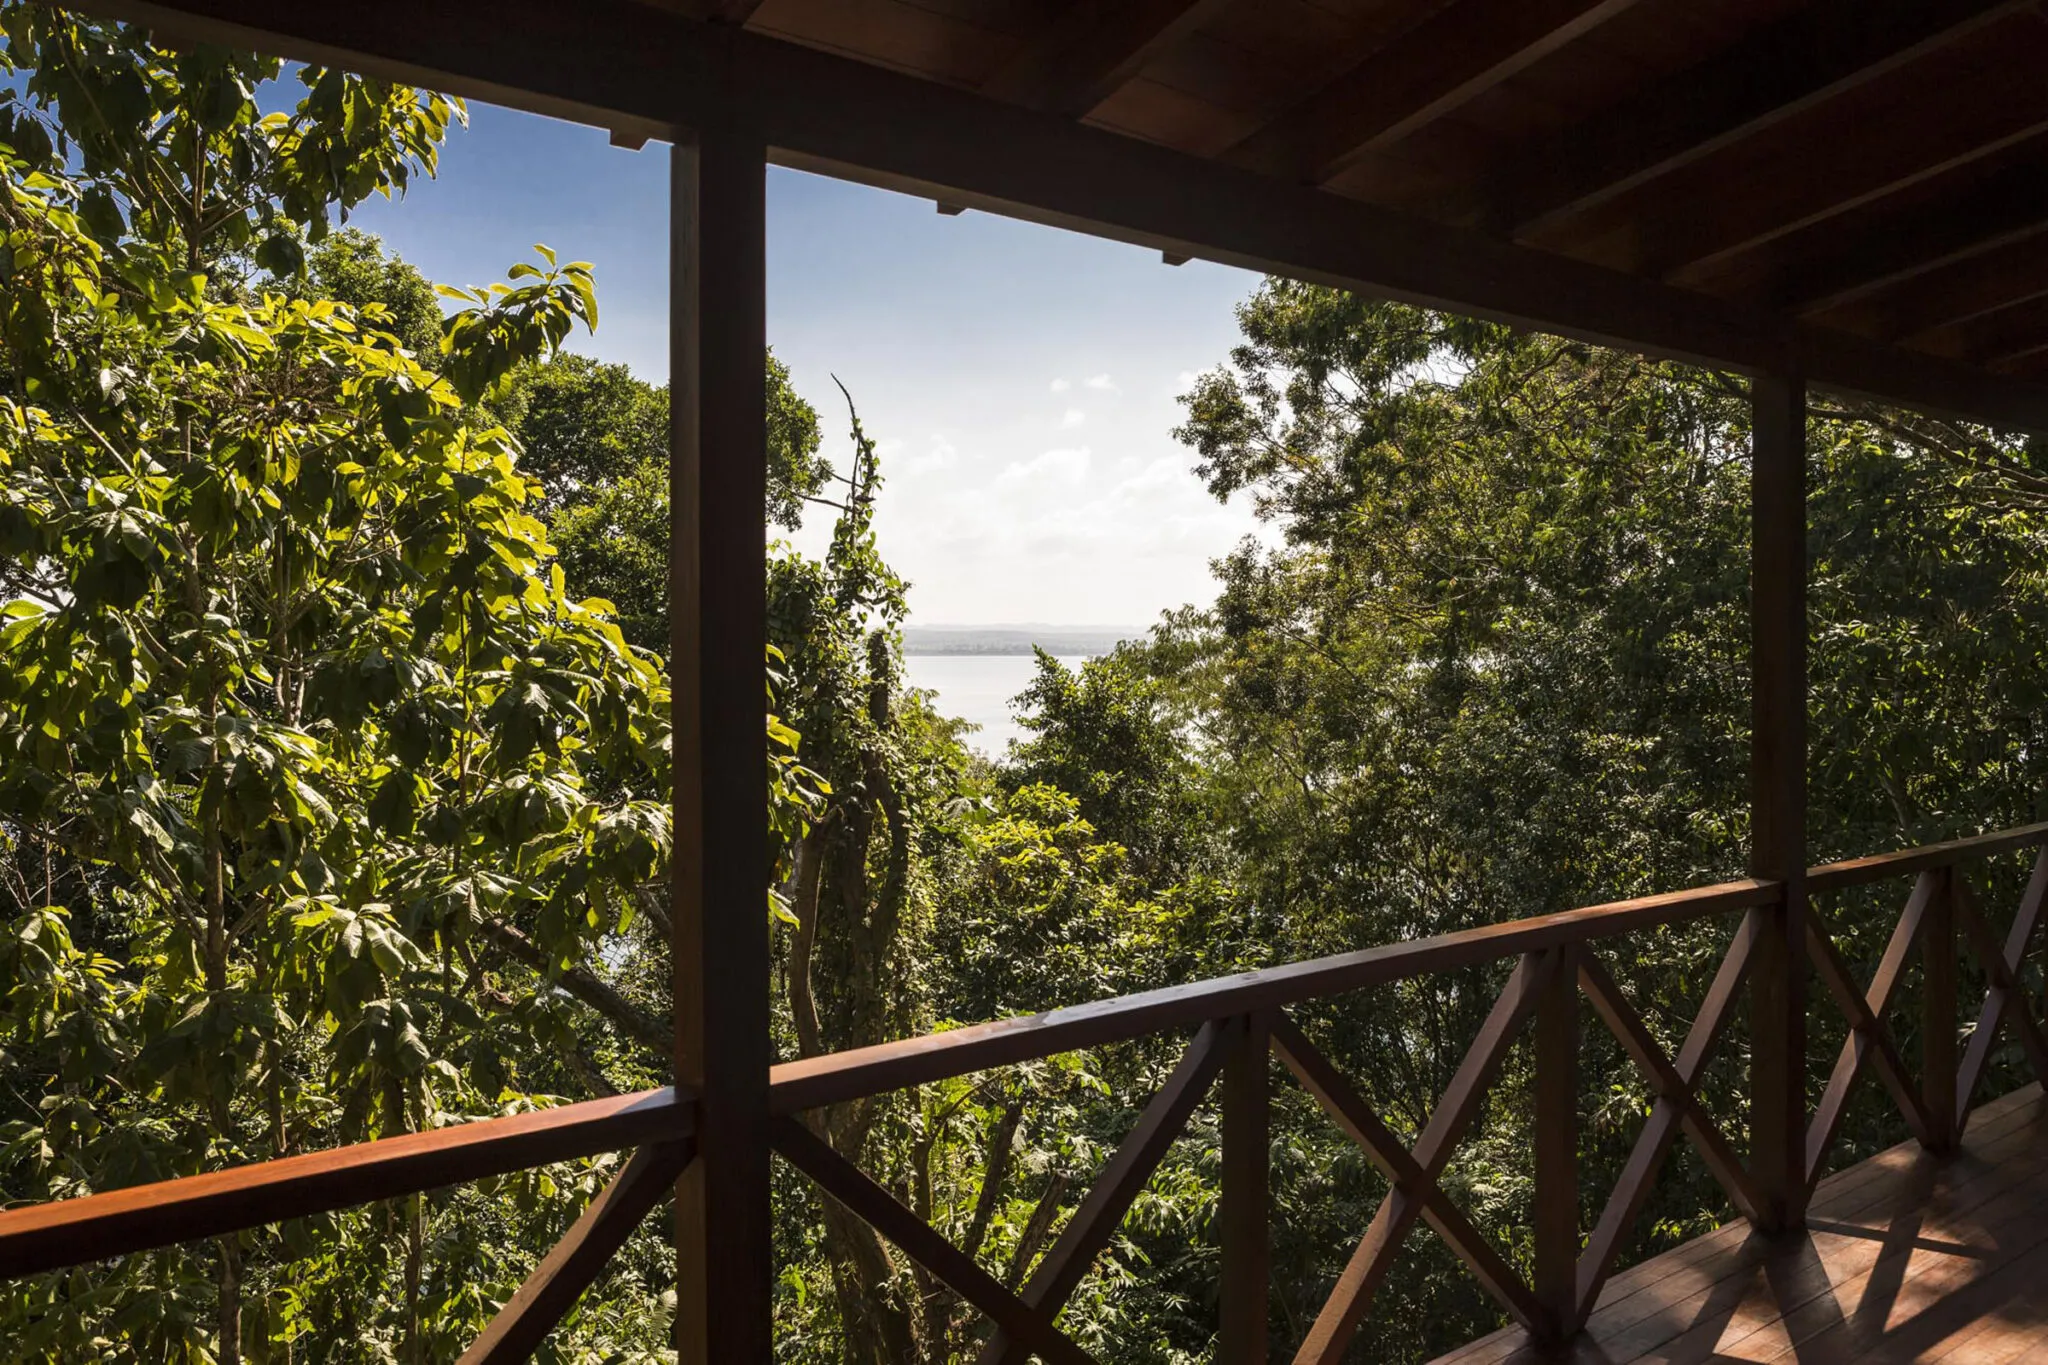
(1801, 185)
(1447, 60)
(617, 64)
(735, 12)
(2006, 208)
(1955, 293)
(1093, 50)
(2002, 336)
(1812, 56)
(2029, 364)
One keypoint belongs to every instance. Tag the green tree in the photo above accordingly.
(352, 267)
(597, 438)
(299, 837)
(1496, 665)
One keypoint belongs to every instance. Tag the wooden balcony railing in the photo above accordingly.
(1237, 1023)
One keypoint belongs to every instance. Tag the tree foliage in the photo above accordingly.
(333, 783)
(324, 800)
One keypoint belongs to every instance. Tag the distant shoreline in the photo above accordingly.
(1015, 641)
(1002, 651)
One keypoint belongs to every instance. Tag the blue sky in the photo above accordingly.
(1021, 381)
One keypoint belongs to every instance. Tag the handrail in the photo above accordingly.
(68, 1232)
(72, 1232)
(858, 1072)
(1861, 871)
(836, 1077)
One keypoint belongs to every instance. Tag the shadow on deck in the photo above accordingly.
(1905, 1257)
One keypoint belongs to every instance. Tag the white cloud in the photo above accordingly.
(1061, 386)
(1102, 383)
(1185, 380)
(940, 456)
(1073, 417)
(1066, 465)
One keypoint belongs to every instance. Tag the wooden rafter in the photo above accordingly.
(1335, 1326)
(1870, 1039)
(1093, 49)
(1947, 296)
(734, 12)
(1454, 56)
(1815, 54)
(576, 1261)
(2006, 208)
(2012, 331)
(1059, 1272)
(880, 1210)
(1685, 235)
(627, 66)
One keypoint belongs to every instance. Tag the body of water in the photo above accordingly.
(978, 688)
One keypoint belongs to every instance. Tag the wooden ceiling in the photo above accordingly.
(1850, 191)
(1875, 167)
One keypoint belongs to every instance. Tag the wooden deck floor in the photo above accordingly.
(1905, 1258)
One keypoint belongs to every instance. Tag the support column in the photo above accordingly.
(718, 624)
(1246, 1279)
(1556, 1143)
(1777, 778)
(1938, 1014)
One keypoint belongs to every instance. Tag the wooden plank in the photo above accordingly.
(523, 1324)
(1337, 1323)
(1799, 1312)
(880, 1210)
(98, 1227)
(627, 66)
(1555, 1224)
(1909, 861)
(1061, 1270)
(1094, 48)
(849, 1075)
(1449, 59)
(1650, 1303)
(1653, 1143)
(1812, 55)
(1710, 1308)
(1665, 1078)
(1245, 1208)
(718, 625)
(1869, 1037)
(1777, 779)
(1341, 1100)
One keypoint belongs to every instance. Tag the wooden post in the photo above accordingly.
(1557, 1145)
(718, 624)
(1777, 781)
(1938, 1014)
(1247, 1273)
